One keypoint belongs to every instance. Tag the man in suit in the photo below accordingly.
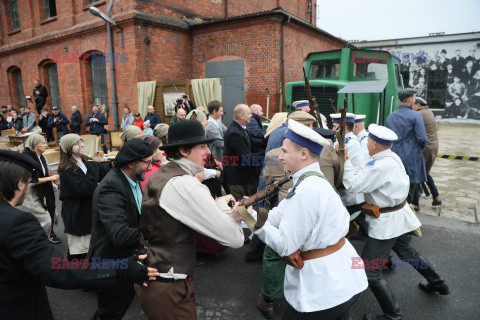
(116, 210)
(242, 163)
(29, 119)
(215, 129)
(28, 262)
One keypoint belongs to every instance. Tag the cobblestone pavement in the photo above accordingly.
(458, 181)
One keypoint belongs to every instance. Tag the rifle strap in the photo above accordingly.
(341, 149)
(303, 177)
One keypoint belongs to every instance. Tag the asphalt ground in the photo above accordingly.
(227, 287)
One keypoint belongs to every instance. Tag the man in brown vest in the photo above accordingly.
(175, 206)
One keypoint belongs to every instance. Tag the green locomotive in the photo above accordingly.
(369, 79)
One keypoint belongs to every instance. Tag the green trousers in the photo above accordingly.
(273, 274)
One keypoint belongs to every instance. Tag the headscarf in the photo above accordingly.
(160, 130)
(33, 141)
(68, 141)
(130, 132)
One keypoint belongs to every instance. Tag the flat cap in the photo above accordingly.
(160, 130)
(302, 117)
(152, 141)
(421, 101)
(406, 93)
(133, 150)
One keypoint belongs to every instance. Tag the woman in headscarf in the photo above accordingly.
(161, 132)
(41, 198)
(78, 180)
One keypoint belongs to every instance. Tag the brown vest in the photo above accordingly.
(167, 241)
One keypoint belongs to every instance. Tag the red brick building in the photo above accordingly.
(55, 41)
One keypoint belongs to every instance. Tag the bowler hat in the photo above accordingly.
(185, 133)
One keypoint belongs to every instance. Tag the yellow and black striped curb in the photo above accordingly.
(448, 156)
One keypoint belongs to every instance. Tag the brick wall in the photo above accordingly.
(220, 9)
(171, 54)
(254, 41)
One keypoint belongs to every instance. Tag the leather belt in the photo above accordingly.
(394, 208)
(318, 253)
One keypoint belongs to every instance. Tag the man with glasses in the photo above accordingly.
(116, 210)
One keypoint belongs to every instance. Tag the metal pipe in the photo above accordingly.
(112, 70)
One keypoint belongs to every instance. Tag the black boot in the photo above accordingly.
(255, 250)
(434, 282)
(387, 301)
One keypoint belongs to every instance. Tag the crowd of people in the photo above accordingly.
(172, 197)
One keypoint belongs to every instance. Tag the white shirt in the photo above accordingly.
(189, 201)
(363, 137)
(214, 122)
(356, 155)
(81, 165)
(385, 184)
(314, 217)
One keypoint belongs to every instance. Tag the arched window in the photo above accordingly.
(98, 71)
(49, 78)
(16, 86)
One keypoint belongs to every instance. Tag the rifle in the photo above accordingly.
(340, 134)
(262, 213)
(312, 101)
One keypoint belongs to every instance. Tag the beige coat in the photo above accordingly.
(431, 150)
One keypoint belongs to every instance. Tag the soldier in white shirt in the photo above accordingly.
(311, 223)
(353, 201)
(361, 133)
(385, 184)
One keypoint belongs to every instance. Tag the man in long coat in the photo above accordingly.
(412, 139)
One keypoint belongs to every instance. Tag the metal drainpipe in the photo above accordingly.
(282, 57)
(112, 70)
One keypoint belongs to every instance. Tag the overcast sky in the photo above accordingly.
(376, 20)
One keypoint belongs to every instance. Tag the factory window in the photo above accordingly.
(98, 73)
(14, 17)
(50, 8)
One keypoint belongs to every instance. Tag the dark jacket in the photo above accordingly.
(44, 190)
(43, 123)
(96, 127)
(76, 122)
(3, 123)
(27, 265)
(154, 119)
(115, 218)
(40, 98)
(76, 193)
(242, 162)
(255, 127)
(257, 132)
(61, 125)
(18, 124)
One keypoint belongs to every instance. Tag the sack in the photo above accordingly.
(371, 210)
